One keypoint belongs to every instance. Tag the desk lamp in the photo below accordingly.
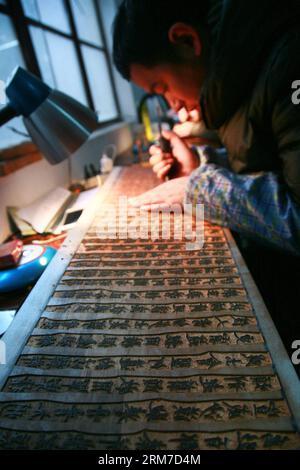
(58, 124)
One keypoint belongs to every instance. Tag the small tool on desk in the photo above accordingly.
(164, 144)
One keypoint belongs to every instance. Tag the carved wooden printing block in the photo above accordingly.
(144, 345)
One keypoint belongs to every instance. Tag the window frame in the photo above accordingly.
(21, 23)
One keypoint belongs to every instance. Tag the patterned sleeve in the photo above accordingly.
(257, 205)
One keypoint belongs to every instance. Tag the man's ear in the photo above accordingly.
(182, 33)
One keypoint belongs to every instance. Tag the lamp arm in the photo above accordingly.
(7, 113)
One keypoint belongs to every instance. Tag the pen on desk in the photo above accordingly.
(163, 143)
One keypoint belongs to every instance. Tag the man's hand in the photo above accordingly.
(182, 158)
(162, 196)
(191, 124)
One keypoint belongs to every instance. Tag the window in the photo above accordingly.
(63, 42)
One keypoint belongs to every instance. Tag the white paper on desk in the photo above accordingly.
(41, 212)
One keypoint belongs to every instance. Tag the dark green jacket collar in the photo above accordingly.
(243, 33)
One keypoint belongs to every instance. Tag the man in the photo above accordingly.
(234, 62)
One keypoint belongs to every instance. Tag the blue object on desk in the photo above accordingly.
(34, 260)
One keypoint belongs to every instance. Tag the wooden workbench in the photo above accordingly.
(141, 344)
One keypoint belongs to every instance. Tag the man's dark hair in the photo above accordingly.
(140, 30)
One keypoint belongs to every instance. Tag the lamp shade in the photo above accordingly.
(58, 124)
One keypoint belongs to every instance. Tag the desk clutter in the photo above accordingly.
(143, 345)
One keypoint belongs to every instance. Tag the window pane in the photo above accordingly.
(100, 84)
(108, 13)
(10, 57)
(86, 21)
(58, 62)
(49, 12)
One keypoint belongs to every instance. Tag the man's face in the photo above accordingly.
(180, 84)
